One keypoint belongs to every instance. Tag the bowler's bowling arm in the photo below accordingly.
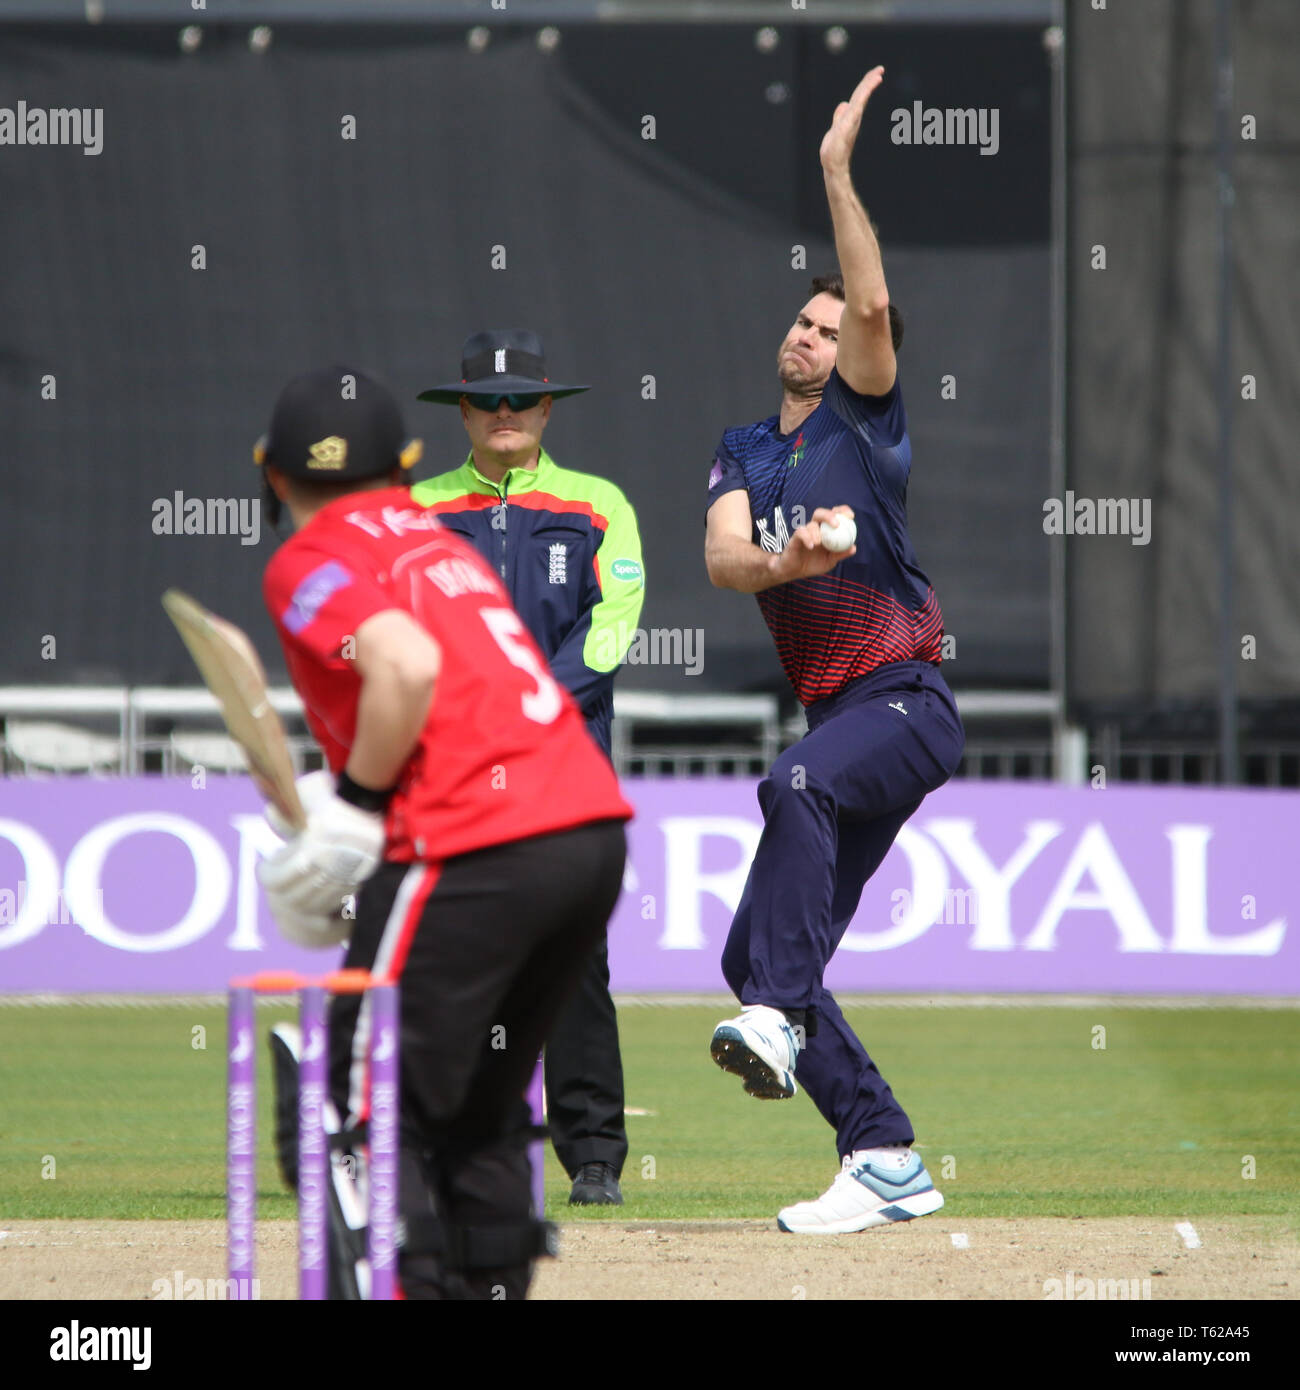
(865, 352)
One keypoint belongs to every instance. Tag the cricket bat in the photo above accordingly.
(230, 668)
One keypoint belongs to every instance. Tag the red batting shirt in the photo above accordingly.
(505, 753)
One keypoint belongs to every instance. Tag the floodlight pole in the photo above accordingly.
(1069, 745)
(1229, 649)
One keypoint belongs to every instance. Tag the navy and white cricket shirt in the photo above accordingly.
(874, 608)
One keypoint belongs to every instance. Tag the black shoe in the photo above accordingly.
(596, 1185)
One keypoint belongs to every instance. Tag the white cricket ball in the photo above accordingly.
(841, 535)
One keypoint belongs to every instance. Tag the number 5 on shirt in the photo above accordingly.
(540, 705)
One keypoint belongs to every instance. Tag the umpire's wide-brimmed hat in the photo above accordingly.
(501, 362)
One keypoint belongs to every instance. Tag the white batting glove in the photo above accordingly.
(313, 930)
(323, 864)
(314, 790)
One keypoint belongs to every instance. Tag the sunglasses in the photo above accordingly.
(493, 403)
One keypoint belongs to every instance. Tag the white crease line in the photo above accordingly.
(960, 1240)
(1188, 1232)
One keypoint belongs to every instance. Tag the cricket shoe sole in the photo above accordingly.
(763, 1062)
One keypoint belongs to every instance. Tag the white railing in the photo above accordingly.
(129, 740)
(755, 720)
(105, 702)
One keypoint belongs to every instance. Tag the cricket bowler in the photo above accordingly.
(807, 510)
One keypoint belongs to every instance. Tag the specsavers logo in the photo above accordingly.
(627, 570)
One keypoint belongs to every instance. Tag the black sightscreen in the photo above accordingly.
(634, 258)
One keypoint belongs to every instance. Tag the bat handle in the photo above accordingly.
(290, 810)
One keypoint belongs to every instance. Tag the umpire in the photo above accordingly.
(566, 547)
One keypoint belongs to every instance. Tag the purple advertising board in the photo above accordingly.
(147, 885)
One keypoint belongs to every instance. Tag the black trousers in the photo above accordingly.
(583, 1070)
(486, 948)
(583, 1065)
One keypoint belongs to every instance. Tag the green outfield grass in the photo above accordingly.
(124, 1109)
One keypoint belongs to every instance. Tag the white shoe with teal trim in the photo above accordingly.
(761, 1048)
(874, 1188)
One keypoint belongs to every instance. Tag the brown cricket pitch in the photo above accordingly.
(1240, 1258)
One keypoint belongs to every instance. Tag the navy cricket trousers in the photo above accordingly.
(833, 804)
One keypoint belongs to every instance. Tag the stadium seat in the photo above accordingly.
(45, 746)
(215, 752)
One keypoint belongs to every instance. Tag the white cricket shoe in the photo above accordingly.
(760, 1047)
(874, 1187)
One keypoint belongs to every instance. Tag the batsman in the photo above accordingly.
(859, 633)
(465, 809)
